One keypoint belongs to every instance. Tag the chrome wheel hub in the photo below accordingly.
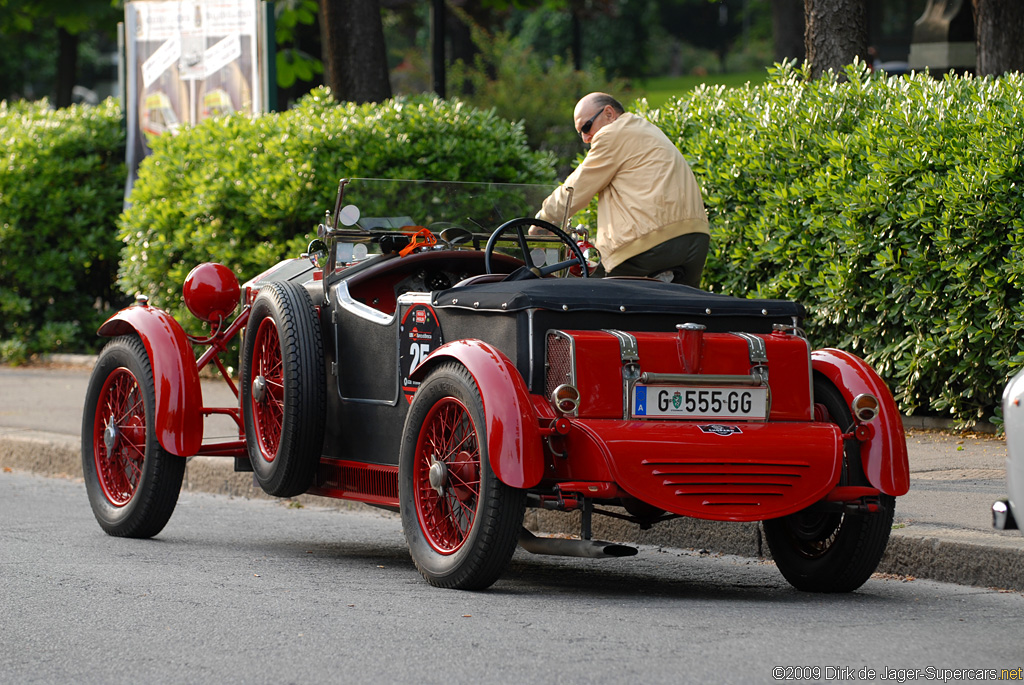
(259, 388)
(438, 475)
(110, 435)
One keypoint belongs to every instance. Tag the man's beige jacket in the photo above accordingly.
(646, 192)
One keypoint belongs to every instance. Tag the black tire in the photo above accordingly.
(826, 551)
(461, 533)
(283, 389)
(133, 483)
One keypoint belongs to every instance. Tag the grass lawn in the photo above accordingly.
(659, 90)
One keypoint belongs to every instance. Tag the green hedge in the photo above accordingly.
(890, 207)
(62, 182)
(249, 192)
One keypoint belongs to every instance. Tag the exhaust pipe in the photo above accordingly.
(593, 549)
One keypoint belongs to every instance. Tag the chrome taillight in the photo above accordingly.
(865, 407)
(565, 399)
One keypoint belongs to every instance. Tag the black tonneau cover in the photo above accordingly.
(634, 296)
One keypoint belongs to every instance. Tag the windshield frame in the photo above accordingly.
(366, 209)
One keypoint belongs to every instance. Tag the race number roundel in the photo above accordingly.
(418, 336)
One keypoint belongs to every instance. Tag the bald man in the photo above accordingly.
(650, 214)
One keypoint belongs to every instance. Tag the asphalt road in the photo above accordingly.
(250, 591)
(943, 525)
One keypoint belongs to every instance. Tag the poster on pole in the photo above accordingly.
(187, 61)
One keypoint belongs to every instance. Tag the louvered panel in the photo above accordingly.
(372, 483)
(756, 472)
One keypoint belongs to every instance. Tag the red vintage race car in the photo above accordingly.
(424, 357)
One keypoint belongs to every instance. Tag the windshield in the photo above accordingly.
(386, 204)
(369, 207)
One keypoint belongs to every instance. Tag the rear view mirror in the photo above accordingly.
(317, 252)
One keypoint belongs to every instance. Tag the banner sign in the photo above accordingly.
(185, 62)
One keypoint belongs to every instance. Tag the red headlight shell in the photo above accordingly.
(211, 292)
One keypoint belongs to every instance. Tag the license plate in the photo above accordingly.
(688, 402)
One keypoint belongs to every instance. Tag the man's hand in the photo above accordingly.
(537, 230)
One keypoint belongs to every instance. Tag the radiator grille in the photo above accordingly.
(558, 367)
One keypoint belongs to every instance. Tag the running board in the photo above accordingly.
(563, 547)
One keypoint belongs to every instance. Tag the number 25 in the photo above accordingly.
(419, 352)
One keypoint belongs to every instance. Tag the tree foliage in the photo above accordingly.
(521, 84)
(249, 192)
(37, 19)
(292, 62)
(61, 187)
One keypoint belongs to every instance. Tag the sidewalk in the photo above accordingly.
(943, 527)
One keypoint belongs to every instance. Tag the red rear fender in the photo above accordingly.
(179, 395)
(513, 440)
(884, 453)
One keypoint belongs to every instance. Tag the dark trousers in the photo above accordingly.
(684, 256)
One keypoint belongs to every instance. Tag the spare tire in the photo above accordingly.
(283, 389)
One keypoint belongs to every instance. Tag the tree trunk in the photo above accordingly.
(354, 54)
(999, 24)
(788, 30)
(577, 40)
(67, 67)
(438, 68)
(835, 33)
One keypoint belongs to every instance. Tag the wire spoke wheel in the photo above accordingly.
(283, 386)
(461, 522)
(268, 392)
(828, 551)
(133, 483)
(119, 437)
(813, 534)
(447, 476)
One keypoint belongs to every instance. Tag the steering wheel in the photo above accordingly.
(530, 270)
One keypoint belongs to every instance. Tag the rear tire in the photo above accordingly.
(133, 483)
(825, 551)
(461, 523)
(283, 389)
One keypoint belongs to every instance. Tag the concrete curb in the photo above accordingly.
(936, 423)
(915, 551)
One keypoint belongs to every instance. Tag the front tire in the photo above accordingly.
(819, 551)
(133, 483)
(283, 389)
(461, 523)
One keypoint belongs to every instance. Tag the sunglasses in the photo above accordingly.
(585, 128)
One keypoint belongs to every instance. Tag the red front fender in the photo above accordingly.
(884, 454)
(179, 395)
(513, 441)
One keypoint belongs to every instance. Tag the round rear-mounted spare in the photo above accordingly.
(865, 407)
(211, 292)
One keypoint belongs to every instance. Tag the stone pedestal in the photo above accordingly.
(943, 38)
